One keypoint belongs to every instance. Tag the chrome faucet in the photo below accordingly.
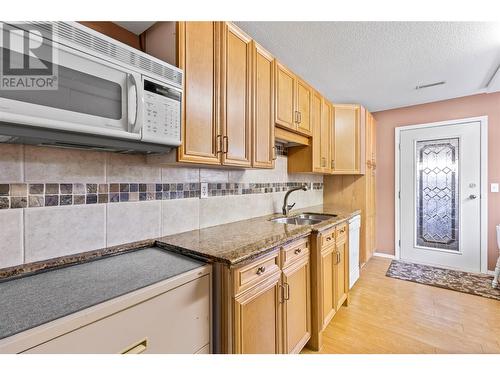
(287, 207)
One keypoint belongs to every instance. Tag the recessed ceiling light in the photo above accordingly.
(429, 85)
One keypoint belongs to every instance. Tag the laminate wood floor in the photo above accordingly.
(387, 315)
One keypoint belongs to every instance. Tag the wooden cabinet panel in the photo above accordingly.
(296, 309)
(257, 319)
(285, 97)
(304, 97)
(341, 270)
(317, 133)
(326, 134)
(347, 139)
(254, 273)
(263, 108)
(327, 281)
(236, 96)
(198, 51)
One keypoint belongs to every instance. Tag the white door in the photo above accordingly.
(440, 195)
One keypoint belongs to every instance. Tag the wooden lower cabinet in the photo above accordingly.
(329, 280)
(265, 305)
(341, 282)
(296, 306)
(257, 318)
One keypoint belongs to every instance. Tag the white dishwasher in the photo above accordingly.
(354, 230)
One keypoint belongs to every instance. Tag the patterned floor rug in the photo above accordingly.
(465, 282)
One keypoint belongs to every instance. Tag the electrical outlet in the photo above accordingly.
(494, 188)
(204, 190)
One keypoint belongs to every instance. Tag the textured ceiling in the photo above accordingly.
(378, 64)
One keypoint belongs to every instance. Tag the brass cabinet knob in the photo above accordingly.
(261, 270)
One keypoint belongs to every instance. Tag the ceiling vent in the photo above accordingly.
(430, 85)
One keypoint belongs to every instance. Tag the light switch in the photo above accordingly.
(204, 190)
(494, 188)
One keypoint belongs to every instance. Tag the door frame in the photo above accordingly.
(483, 123)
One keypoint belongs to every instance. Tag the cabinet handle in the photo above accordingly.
(226, 144)
(137, 348)
(218, 147)
(333, 164)
(261, 270)
(337, 255)
(287, 290)
(298, 251)
(328, 239)
(274, 153)
(282, 293)
(300, 117)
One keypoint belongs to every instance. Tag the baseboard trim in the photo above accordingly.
(383, 255)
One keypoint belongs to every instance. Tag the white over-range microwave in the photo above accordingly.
(102, 94)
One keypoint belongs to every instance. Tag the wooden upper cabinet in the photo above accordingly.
(263, 108)
(304, 97)
(346, 142)
(326, 134)
(198, 51)
(316, 103)
(236, 94)
(285, 97)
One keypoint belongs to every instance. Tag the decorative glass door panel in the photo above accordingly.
(437, 190)
(439, 197)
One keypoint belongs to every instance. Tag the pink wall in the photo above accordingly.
(387, 121)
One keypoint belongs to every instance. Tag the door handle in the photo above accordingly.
(287, 290)
(226, 144)
(133, 103)
(472, 196)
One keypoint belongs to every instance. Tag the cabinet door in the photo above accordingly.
(316, 129)
(285, 114)
(347, 139)
(340, 282)
(198, 51)
(263, 108)
(236, 96)
(257, 319)
(328, 261)
(297, 307)
(326, 134)
(304, 96)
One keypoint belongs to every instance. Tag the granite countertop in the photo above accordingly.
(244, 240)
(30, 301)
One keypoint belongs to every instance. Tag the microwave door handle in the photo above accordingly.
(133, 103)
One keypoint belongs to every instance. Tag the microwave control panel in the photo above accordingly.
(162, 114)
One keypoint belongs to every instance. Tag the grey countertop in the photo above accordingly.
(30, 301)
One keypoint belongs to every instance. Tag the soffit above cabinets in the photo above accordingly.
(379, 64)
(136, 27)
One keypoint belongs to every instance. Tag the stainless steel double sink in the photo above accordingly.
(307, 218)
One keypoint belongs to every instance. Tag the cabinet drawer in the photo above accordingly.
(177, 321)
(341, 232)
(328, 238)
(255, 272)
(293, 251)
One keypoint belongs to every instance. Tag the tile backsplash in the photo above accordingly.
(56, 202)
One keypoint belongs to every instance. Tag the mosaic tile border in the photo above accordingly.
(14, 196)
